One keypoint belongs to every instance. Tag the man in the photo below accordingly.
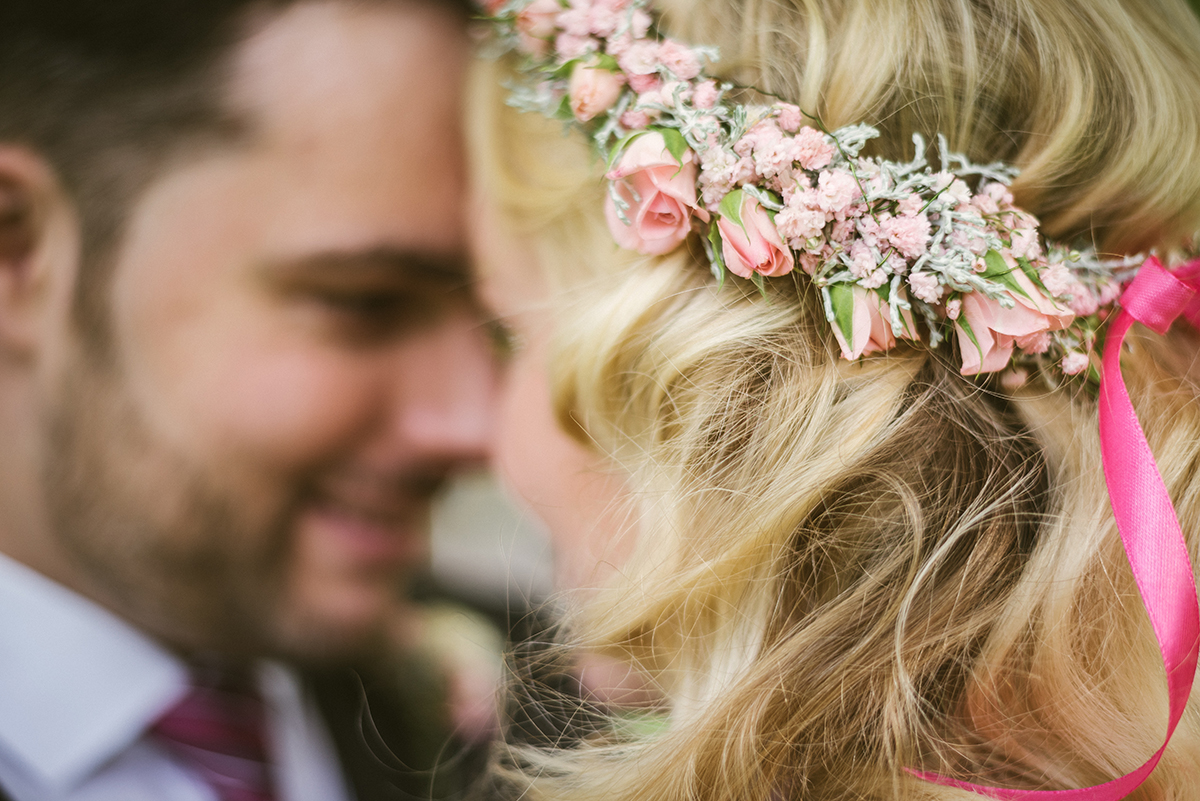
(236, 358)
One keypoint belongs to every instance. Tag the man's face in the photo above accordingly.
(296, 365)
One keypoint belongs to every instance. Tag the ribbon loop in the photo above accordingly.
(1156, 298)
(1146, 520)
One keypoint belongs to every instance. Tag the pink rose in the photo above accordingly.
(754, 246)
(661, 193)
(871, 326)
(1033, 298)
(538, 19)
(593, 90)
(997, 329)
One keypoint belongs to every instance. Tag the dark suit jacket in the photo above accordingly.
(393, 735)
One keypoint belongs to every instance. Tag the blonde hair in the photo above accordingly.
(847, 569)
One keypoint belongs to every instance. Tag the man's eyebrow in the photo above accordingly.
(448, 269)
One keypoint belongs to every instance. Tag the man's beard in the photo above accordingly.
(200, 566)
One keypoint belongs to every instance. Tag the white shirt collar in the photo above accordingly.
(77, 683)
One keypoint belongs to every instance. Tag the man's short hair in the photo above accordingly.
(107, 91)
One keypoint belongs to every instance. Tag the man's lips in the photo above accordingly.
(368, 520)
(369, 535)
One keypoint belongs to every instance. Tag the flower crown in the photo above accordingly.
(897, 250)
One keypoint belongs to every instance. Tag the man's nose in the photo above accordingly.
(444, 392)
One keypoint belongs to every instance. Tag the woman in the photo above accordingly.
(857, 556)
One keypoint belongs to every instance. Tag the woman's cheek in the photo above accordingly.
(564, 484)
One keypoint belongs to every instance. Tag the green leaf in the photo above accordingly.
(564, 111)
(759, 282)
(966, 327)
(606, 62)
(731, 208)
(1032, 274)
(999, 271)
(996, 265)
(564, 70)
(714, 239)
(677, 146)
(841, 297)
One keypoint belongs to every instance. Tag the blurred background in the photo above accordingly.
(489, 581)
(487, 550)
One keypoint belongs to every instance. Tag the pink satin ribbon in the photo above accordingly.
(1145, 517)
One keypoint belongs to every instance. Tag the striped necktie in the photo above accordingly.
(218, 730)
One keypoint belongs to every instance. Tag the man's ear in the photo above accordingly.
(35, 218)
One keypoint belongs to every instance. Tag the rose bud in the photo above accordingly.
(593, 90)
(661, 196)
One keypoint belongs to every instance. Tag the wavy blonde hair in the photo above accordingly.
(847, 569)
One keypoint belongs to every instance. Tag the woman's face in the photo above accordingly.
(567, 486)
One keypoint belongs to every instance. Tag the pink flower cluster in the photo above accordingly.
(825, 219)
(608, 40)
(889, 245)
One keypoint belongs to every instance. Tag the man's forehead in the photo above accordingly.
(337, 62)
(351, 112)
